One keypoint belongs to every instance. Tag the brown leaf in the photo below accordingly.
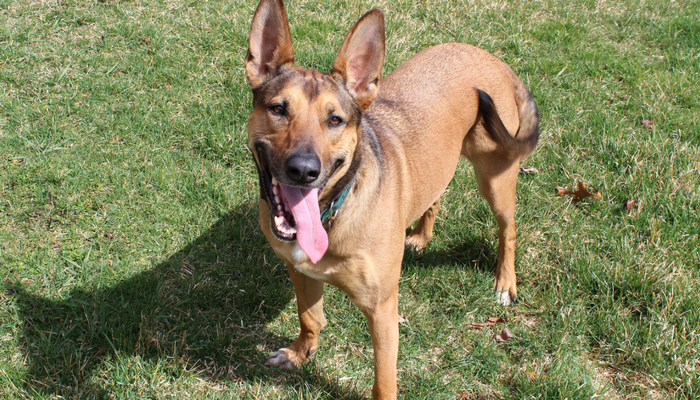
(629, 204)
(532, 376)
(402, 319)
(580, 193)
(505, 334)
(491, 321)
(529, 170)
(648, 124)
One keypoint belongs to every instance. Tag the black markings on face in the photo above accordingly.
(311, 85)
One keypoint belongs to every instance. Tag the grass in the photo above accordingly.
(132, 264)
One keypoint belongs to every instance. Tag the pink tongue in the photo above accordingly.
(303, 203)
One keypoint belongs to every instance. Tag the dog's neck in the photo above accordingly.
(336, 195)
(363, 173)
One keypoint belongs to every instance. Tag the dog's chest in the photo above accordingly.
(304, 265)
(297, 255)
(293, 254)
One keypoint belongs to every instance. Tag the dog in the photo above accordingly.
(345, 168)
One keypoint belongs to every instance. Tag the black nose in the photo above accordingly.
(303, 168)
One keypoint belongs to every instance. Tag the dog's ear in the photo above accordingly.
(359, 61)
(270, 43)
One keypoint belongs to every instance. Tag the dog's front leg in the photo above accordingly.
(311, 318)
(383, 323)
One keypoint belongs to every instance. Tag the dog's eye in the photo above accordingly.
(277, 109)
(335, 120)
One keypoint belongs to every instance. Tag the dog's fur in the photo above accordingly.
(396, 148)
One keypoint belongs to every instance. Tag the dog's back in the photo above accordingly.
(425, 107)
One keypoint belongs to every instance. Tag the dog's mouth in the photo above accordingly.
(281, 218)
(294, 212)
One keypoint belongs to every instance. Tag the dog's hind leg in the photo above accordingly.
(497, 182)
(311, 318)
(423, 232)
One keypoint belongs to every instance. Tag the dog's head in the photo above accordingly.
(305, 125)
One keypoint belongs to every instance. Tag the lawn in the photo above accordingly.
(131, 260)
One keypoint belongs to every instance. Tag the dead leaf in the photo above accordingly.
(629, 204)
(648, 124)
(529, 170)
(580, 193)
(402, 319)
(533, 375)
(491, 321)
(505, 335)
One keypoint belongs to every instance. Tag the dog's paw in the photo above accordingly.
(505, 288)
(504, 298)
(417, 242)
(287, 358)
(283, 359)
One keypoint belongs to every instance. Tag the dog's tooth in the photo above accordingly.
(288, 229)
(275, 191)
(277, 199)
(279, 207)
(274, 181)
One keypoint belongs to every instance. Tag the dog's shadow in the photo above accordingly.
(204, 309)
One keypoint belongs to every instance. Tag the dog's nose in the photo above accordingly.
(303, 168)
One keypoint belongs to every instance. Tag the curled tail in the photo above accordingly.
(525, 140)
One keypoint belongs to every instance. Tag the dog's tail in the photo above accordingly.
(525, 140)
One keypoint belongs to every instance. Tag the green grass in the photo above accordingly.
(132, 263)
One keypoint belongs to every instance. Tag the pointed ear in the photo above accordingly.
(270, 43)
(359, 61)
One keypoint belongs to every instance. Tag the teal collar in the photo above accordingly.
(345, 183)
(333, 207)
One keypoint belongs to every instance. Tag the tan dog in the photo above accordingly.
(345, 167)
